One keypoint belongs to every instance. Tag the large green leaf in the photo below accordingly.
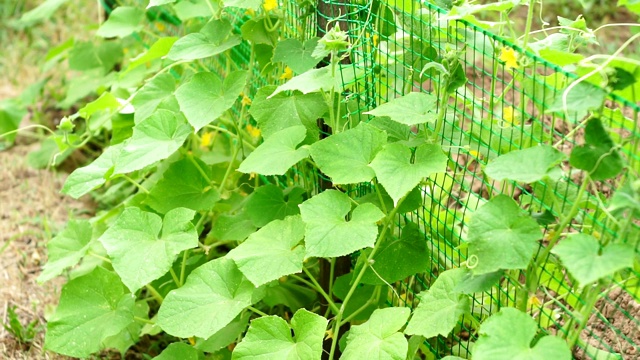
(213, 295)
(244, 4)
(67, 248)
(184, 185)
(501, 236)
(508, 335)
(328, 234)
(399, 257)
(379, 338)
(345, 157)
(123, 21)
(272, 252)
(151, 95)
(598, 155)
(92, 307)
(11, 114)
(159, 49)
(225, 336)
(270, 337)
(205, 97)
(411, 109)
(282, 111)
(154, 139)
(143, 246)
(311, 81)
(277, 154)
(87, 178)
(578, 101)
(440, 307)
(399, 171)
(528, 165)
(587, 262)
(296, 54)
(268, 203)
(215, 37)
(232, 227)
(180, 351)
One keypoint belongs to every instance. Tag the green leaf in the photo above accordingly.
(297, 55)
(411, 109)
(282, 111)
(87, 178)
(205, 97)
(508, 335)
(272, 252)
(587, 262)
(268, 203)
(527, 166)
(67, 248)
(225, 336)
(398, 173)
(153, 139)
(43, 11)
(345, 157)
(470, 283)
(379, 338)
(213, 295)
(243, 4)
(270, 337)
(92, 307)
(180, 351)
(598, 155)
(580, 99)
(500, 224)
(328, 234)
(255, 30)
(291, 295)
(214, 38)
(184, 185)
(106, 102)
(232, 227)
(151, 95)
(195, 9)
(153, 3)
(440, 307)
(159, 49)
(140, 252)
(277, 154)
(11, 114)
(400, 257)
(311, 81)
(123, 21)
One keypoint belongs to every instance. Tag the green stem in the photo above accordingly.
(154, 293)
(183, 267)
(527, 29)
(25, 128)
(200, 170)
(226, 174)
(259, 312)
(135, 183)
(314, 283)
(143, 320)
(338, 320)
(232, 134)
(99, 257)
(374, 299)
(592, 297)
(175, 277)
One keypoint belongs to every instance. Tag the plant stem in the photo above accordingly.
(336, 325)
(527, 29)
(183, 266)
(174, 276)
(261, 313)
(143, 320)
(314, 283)
(154, 293)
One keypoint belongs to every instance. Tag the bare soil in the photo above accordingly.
(31, 212)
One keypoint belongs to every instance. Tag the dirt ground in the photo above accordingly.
(31, 212)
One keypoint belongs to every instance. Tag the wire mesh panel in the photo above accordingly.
(502, 106)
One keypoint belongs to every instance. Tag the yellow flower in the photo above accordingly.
(509, 116)
(474, 153)
(376, 39)
(250, 12)
(160, 26)
(287, 74)
(253, 131)
(206, 140)
(270, 5)
(508, 55)
(245, 100)
(534, 301)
